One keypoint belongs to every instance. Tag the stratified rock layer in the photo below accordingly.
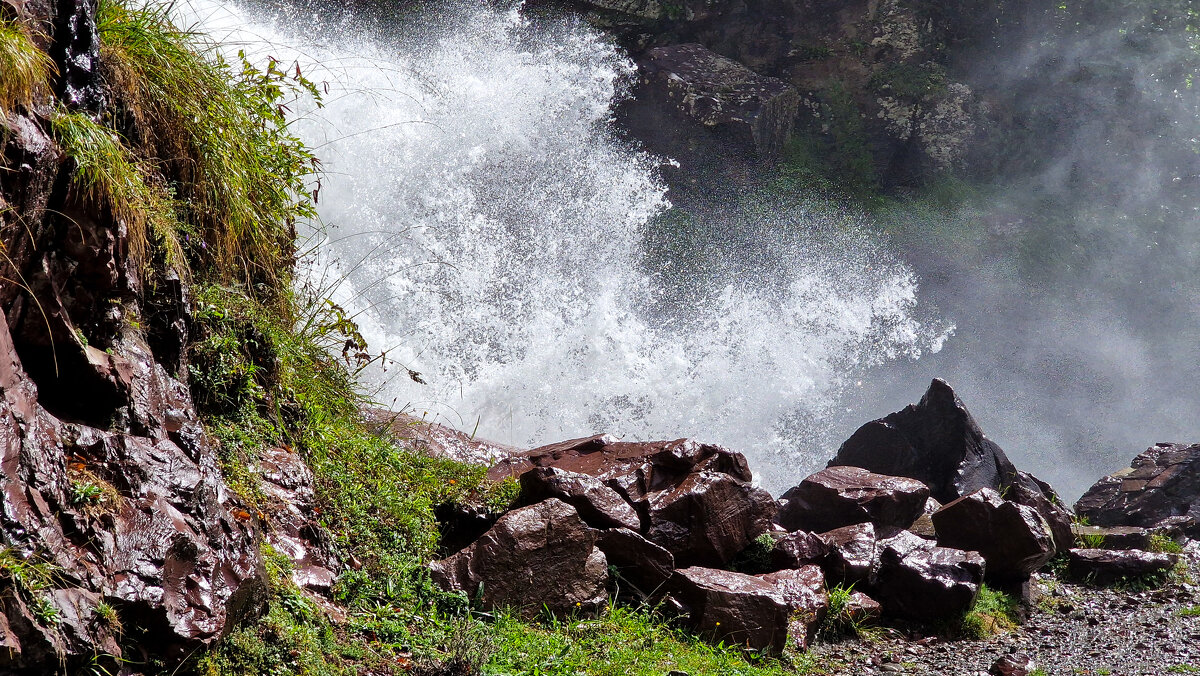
(1161, 488)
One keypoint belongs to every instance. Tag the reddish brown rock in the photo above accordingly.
(638, 561)
(919, 581)
(599, 505)
(542, 556)
(804, 592)
(1014, 539)
(1017, 664)
(852, 554)
(289, 500)
(1160, 488)
(436, 439)
(1107, 566)
(842, 496)
(695, 500)
(733, 608)
(938, 442)
(798, 549)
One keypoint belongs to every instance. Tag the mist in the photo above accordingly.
(1071, 277)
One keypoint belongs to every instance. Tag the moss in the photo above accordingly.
(911, 82)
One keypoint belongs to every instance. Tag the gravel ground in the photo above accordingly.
(1074, 629)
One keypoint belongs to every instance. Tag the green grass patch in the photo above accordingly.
(994, 612)
(218, 134)
(621, 642)
(1163, 544)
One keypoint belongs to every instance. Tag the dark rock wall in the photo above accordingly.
(107, 480)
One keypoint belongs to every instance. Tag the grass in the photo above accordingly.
(623, 641)
(1163, 544)
(25, 70)
(994, 612)
(843, 618)
(218, 134)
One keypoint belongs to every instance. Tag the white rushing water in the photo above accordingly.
(486, 224)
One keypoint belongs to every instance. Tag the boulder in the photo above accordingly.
(842, 496)
(599, 505)
(1014, 539)
(798, 549)
(938, 442)
(804, 592)
(289, 499)
(541, 556)
(733, 608)
(852, 554)
(719, 94)
(1106, 566)
(695, 500)
(1160, 488)
(638, 561)
(920, 581)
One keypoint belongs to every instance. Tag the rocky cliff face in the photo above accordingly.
(114, 519)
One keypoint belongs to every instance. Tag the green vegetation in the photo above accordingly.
(25, 70)
(843, 618)
(909, 81)
(218, 135)
(1190, 611)
(33, 578)
(1164, 544)
(1183, 669)
(994, 612)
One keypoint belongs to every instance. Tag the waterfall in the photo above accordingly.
(487, 225)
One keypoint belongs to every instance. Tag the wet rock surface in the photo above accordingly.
(542, 555)
(733, 607)
(1014, 539)
(1108, 566)
(1160, 488)
(716, 93)
(1073, 629)
(842, 496)
(695, 500)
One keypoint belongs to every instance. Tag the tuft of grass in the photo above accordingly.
(25, 70)
(108, 174)
(994, 612)
(623, 641)
(842, 618)
(1190, 611)
(107, 616)
(220, 133)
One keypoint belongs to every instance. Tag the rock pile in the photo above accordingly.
(671, 518)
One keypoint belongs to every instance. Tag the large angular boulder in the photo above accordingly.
(1106, 566)
(695, 500)
(733, 608)
(804, 592)
(719, 94)
(638, 562)
(842, 496)
(920, 581)
(938, 442)
(599, 505)
(541, 556)
(1160, 488)
(1014, 539)
(798, 549)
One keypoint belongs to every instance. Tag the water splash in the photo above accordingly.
(491, 229)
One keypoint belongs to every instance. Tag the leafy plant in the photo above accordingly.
(843, 618)
(44, 611)
(1163, 544)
